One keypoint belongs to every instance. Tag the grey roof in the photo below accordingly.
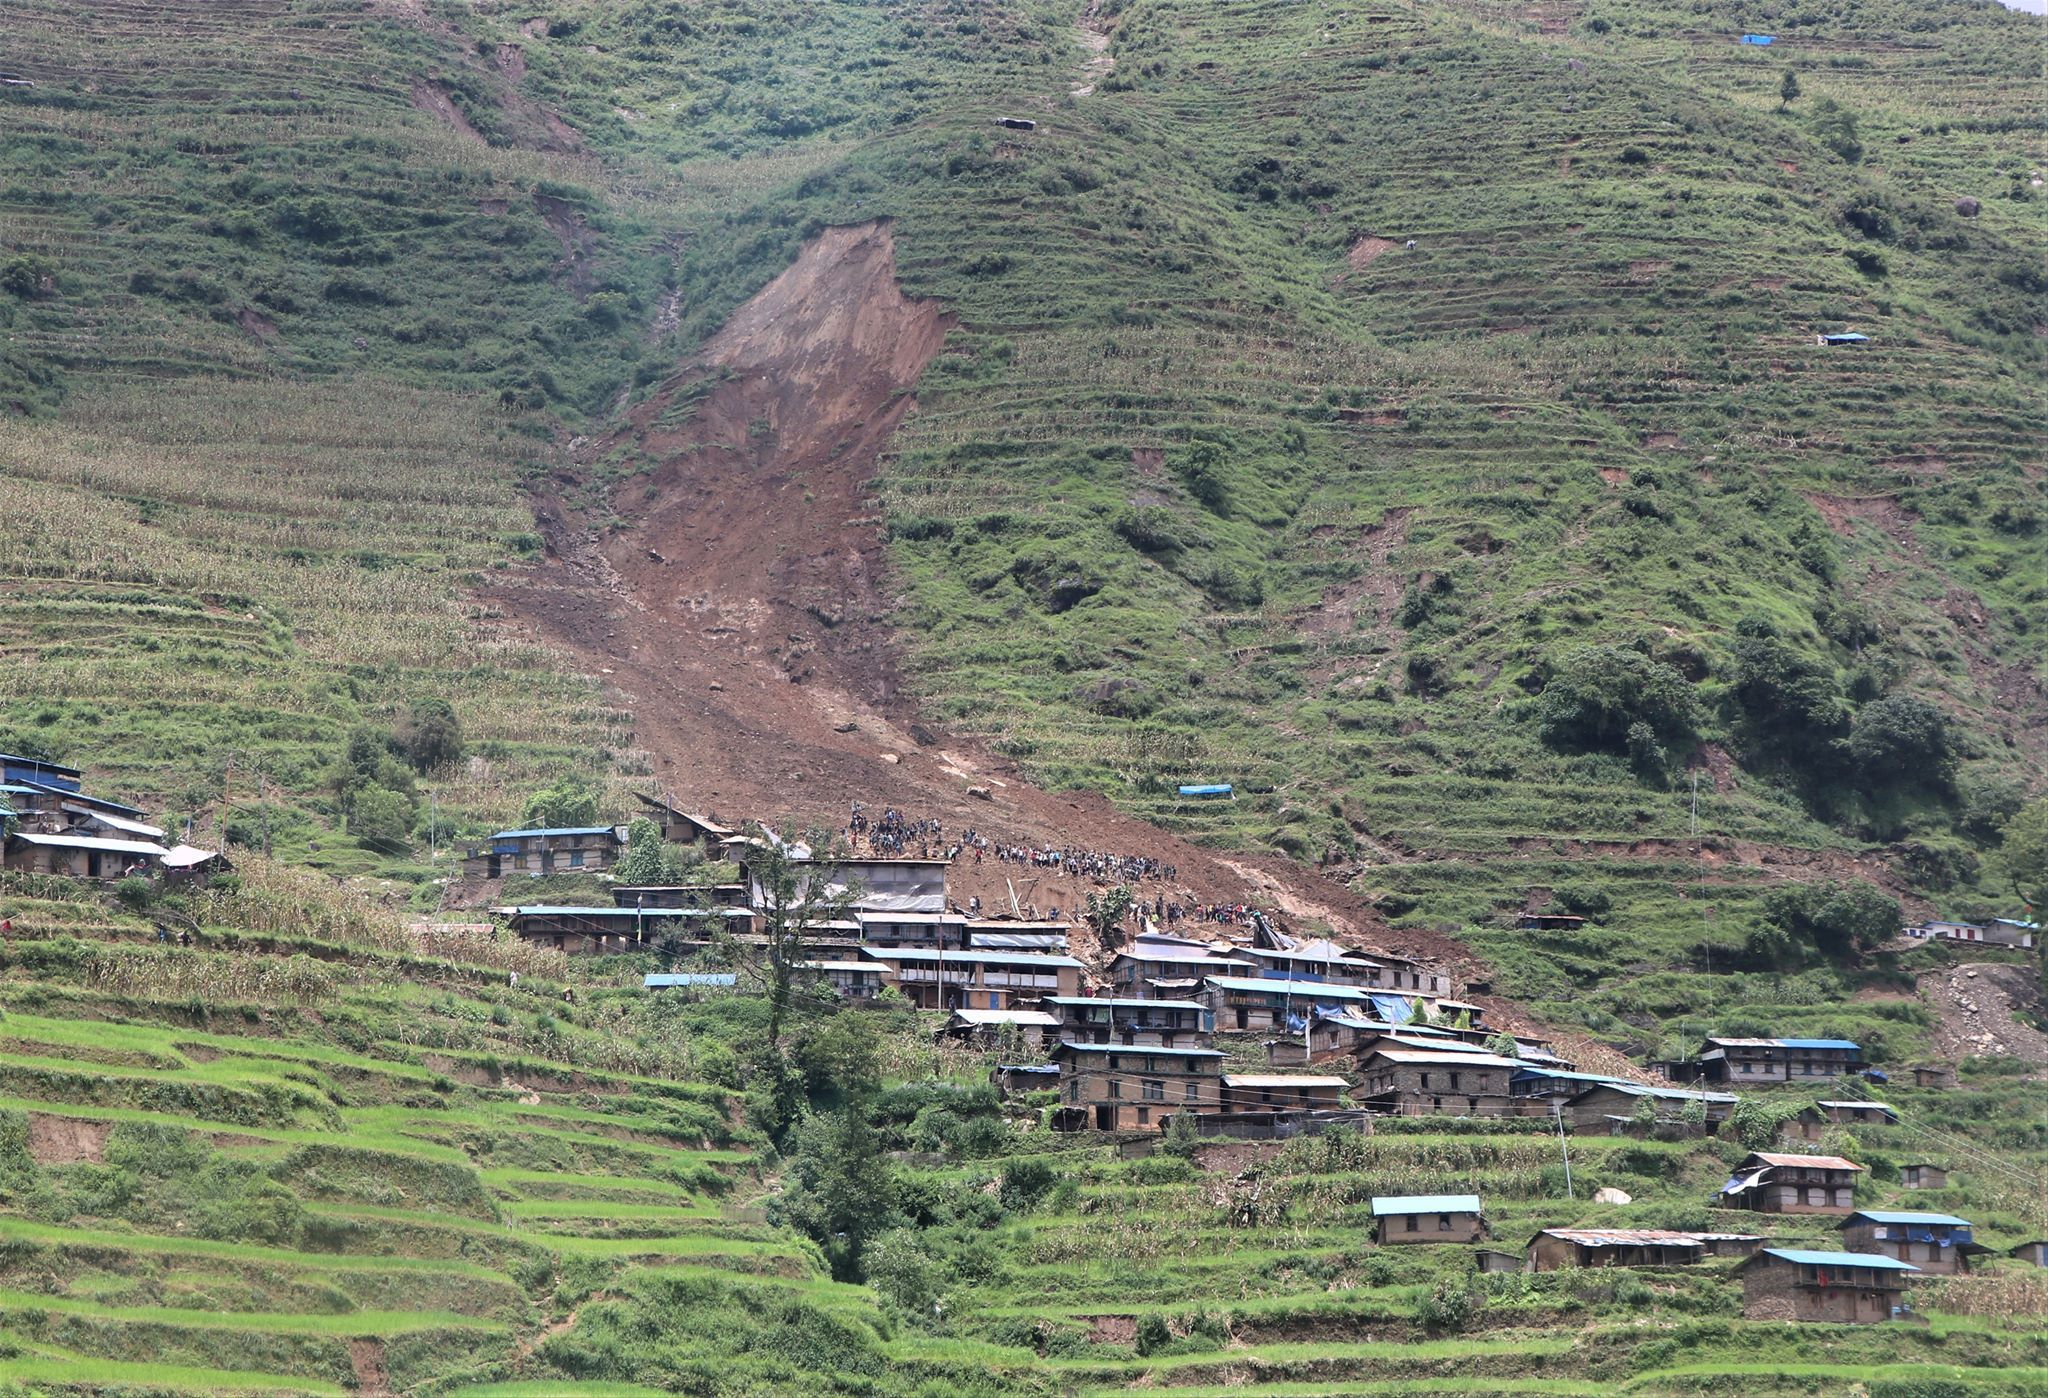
(1388, 1206)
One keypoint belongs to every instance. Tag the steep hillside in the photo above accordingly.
(1410, 414)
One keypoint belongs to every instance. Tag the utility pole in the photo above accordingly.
(1564, 1150)
(263, 804)
(1699, 867)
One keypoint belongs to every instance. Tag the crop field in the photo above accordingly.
(335, 1179)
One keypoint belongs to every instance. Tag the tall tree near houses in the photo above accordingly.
(791, 898)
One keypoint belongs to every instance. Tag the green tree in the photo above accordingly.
(839, 1190)
(645, 862)
(1600, 693)
(1106, 913)
(382, 819)
(793, 898)
(1902, 740)
(1834, 126)
(1839, 920)
(1788, 89)
(2023, 858)
(433, 735)
(565, 805)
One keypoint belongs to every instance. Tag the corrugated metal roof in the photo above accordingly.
(1785, 1043)
(90, 842)
(1811, 1162)
(1900, 1216)
(556, 830)
(1808, 1258)
(976, 954)
(1124, 1004)
(1664, 1094)
(1624, 1237)
(1038, 1017)
(1299, 990)
(690, 978)
(1282, 1080)
(1449, 1060)
(1598, 1079)
(623, 914)
(1396, 1206)
(1137, 1049)
(186, 856)
(132, 827)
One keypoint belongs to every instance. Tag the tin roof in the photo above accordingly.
(1786, 1043)
(1448, 1060)
(187, 856)
(1626, 1237)
(690, 978)
(1808, 1258)
(1663, 1094)
(1282, 1080)
(1812, 1162)
(1300, 990)
(555, 830)
(1137, 1049)
(1873, 1106)
(1126, 1004)
(623, 914)
(123, 823)
(975, 954)
(1906, 1216)
(90, 842)
(1395, 1206)
(1038, 1017)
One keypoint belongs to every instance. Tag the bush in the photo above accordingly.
(134, 893)
(1600, 693)
(1154, 1333)
(1450, 1307)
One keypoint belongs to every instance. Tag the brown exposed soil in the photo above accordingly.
(366, 1357)
(1368, 599)
(742, 615)
(1977, 1007)
(510, 60)
(576, 239)
(1363, 253)
(1614, 475)
(434, 98)
(493, 207)
(1111, 1329)
(259, 325)
(64, 1140)
(1661, 441)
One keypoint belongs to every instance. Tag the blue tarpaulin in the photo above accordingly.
(1758, 38)
(1217, 790)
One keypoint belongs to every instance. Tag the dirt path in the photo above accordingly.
(1094, 34)
(741, 616)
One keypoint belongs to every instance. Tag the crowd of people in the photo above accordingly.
(1099, 865)
(897, 836)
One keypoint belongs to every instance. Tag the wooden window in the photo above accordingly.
(1415, 1223)
(1155, 1091)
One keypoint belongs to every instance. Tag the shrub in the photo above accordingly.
(134, 893)
(1600, 693)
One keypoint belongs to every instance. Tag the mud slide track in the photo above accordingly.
(740, 616)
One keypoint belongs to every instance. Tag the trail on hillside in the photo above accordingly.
(741, 613)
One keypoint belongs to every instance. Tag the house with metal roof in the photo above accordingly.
(1553, 1087)
(1283, 1092)
(1174, 972)
(681, 827)
(1253, 1004)
(1427, 1218)
(1935, 1243)
(976, 978)
(16, 768)
(1843, 1288)
(81, 856)
(1843, 337)
(1118, 1087)
(1761, 1062)
(2034, 1250)
(858, 981)
(1813, 1122)
(1613, 1107)
(1771, 1182)
(1923, 1174)
(1097, 1019)
(570, 849)
(1435, 1081)
(1029, 1030)
(593, 930)
(1556, 1248)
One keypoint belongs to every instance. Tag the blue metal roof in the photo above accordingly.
(1152, 1050)
(1527, 1073)
(562, 830)
(1210, 789)
(1384, 1207)
(1300, 990)
(1809, 1258)
(1897, 1216)
(552, 910)
(688, 978)
(1819, 1043)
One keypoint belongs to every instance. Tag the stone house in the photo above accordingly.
(1843, 1288)
(1111, 1087)
(1427, 1218)
(1769, 1182)
(1935, 1243)
(1435, 1082)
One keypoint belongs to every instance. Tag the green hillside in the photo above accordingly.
(1413, 414)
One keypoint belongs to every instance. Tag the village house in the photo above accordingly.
(1937, 1244)
(1251, 1004)
(679, 895)
(681, 827)
(1109, 1087)
(1922, 1174)
(1151, 968)
(586, 931)
(1322, 961)
(1010, 934)
(1434, 1082)
(1813, 1122)
(975, 979)
(1282, 1092)
(1096, 1020)
(1550, 922)
(932, 930)
(1552, 1088)
(1612, 1107)
(867, 885)
(81, 856)
(1556, 1248)
(575, 849)
(1998, 932)
(15, 769)
(1427, 1218)
(857, 981)
(1013, 1079)
(1792, 1184)
(1845, 1288)
(2034, 1251)
(1934, 1075)
(1763, 1061)
(1022, 1031)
